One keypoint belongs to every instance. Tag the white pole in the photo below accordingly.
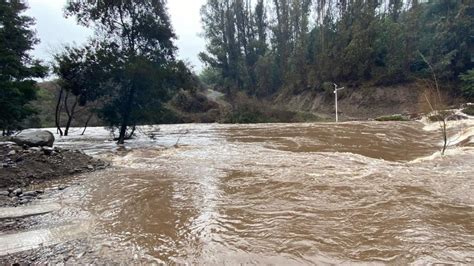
(335, 93)
(337, 114)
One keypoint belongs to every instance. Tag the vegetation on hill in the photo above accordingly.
(300, 45)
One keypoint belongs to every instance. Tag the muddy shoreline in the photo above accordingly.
(22, 167)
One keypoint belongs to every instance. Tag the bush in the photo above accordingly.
(247, 110)
(192, 102)
(468, 84)
(441, 116)
(392, 118)
(469, 110)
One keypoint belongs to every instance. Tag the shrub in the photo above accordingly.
(248, 110)
(469, 110)
(440, 116)
(392, 118)
(192, 102)
(468, 83)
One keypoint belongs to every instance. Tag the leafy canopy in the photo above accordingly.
(142, 69)
(17, 67)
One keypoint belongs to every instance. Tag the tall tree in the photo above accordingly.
(261, 26)
(140, 36)
(17, 67)
(282, 36)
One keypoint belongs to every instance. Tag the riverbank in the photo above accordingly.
(365, 102)
(25, 166)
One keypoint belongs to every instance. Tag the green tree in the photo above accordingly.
(83, 79)
(140, 37)
(17, 67)
(468, 83)
(261, 27)
(452, 48)
(210, 76)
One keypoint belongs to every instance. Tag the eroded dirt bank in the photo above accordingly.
(362, 103)
(25, 166)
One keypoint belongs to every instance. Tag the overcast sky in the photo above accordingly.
(54, 30)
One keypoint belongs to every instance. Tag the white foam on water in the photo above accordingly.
(461, 132)
(449, 153)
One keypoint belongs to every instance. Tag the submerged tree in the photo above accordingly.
(17, 67)
(83, 79)
(437, 106)
(139, 37)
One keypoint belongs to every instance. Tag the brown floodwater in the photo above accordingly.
(277, 194)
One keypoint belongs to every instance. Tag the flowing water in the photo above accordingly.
(276, 194)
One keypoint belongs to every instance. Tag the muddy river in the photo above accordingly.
(369, 193)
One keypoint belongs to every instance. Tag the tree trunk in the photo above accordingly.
(123, 130)
(445, 136)
(126, 117)
(70, 117)
(58, 112)
(131, 133)
(87, 123)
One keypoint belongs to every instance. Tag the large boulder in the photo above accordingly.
(38, 138)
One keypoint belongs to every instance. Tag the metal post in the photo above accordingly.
(337, 114)
(335, 93)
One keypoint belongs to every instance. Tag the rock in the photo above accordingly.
(34, 138)
(28, 198)
(77, 170)
(6, 143)
(11, 189)
(24, 201)
(17, 192)
(30, 194)
(35, 149)
(4, 193)
(11, 153)
(48, 151)
(40, 191)
(62, 187)
(90, 167)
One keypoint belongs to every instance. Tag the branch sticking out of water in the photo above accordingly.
(179, 138)
(436, 106)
